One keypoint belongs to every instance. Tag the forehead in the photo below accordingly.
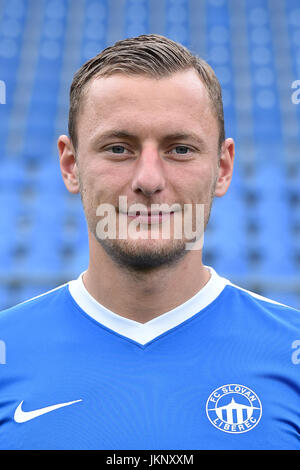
(146, 104)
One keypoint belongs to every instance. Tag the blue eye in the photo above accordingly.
(117, 149)
(182, 149)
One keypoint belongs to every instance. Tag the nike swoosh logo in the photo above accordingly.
(21, 416)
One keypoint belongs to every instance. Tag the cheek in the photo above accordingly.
(102, 185)
(196, 183)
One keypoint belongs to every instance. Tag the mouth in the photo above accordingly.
(149, 217)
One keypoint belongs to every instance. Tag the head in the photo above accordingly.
(153, 56)
(145, 122)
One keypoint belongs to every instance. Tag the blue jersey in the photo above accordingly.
(217, 372)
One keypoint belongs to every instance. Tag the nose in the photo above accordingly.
(149, 175)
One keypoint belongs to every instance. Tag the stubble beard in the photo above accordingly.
(140, 257)
(148, 256)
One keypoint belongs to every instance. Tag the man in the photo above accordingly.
(148, 348)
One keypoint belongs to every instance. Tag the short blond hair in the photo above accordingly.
(151, 55)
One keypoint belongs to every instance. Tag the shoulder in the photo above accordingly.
(34, 308)
(267, 309)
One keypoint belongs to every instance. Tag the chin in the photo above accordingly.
(144, 255)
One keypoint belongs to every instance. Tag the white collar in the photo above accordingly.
(144, 332)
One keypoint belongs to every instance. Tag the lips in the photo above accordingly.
(149, 213)
(150, 217)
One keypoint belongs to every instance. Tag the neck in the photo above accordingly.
(143, 296)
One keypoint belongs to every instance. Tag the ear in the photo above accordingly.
(225, 167)
(68, 164)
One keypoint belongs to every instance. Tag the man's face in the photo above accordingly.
(153, 141)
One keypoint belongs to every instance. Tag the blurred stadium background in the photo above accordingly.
(253, 236)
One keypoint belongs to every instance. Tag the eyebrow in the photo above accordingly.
(186, 136)
(123, 134)
(119, 134)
